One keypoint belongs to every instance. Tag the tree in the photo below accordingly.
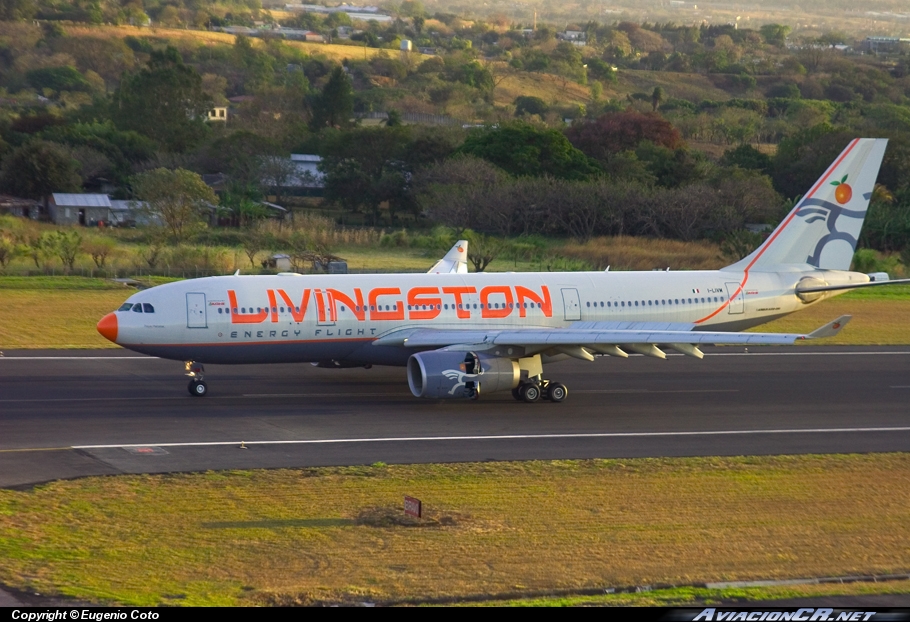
(775, 34)
(58, 79)
(612, 133)
(482, 250)
(9, 250)
(99, 248)
(523, 149)
(335, 105)
(747, 157)
(15, 10)
(657, 98)
(37, 169)
(366, 167)
(164, 101)
(178, 198)
(528, 104)
(65, 245)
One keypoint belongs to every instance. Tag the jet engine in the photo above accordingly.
(443, 374)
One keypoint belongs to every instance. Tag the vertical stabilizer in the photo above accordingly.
(822, 230)
(455, 261)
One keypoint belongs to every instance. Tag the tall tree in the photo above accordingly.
(335, 105)
(37, 169)
(165, 101)
(657, 98)
(179, 199)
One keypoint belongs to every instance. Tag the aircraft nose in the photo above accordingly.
(108, 327)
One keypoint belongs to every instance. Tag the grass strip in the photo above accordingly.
(338, 534)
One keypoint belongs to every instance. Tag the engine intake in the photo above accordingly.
(443, 374)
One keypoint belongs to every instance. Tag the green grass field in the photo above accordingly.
(338, 534)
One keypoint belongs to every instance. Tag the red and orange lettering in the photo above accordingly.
(356, 308)
(395, 314)
(434, 303)
(244, 318)
(274, 305)
(300, 312)
(524, 293)
(458, 292)
(486, 292)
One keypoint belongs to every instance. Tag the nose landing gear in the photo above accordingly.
(196, 372)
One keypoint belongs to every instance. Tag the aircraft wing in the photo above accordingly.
(602, 337)
(454, 262)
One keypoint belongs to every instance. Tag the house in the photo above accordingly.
(218, 113)
(81, 209)
(885, 45)
(89, 210)
(14, 206)
(308, 178)
(576, 37)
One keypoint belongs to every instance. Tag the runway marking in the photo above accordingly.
(902, 387)
(79, 358)
(14, 451)
(503, 437)
(624, 391)
(174, 397)
(575, 391)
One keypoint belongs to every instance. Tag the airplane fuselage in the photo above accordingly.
(320, 318)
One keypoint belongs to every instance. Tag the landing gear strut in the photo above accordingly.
(197, 386)
(536, 388)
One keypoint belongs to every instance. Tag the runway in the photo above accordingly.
(67, 414)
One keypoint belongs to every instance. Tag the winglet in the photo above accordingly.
(831, 328)
(455, 261)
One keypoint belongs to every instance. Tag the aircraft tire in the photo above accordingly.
(516, 393)
(530, 392)
(557, 392)
(198, 388)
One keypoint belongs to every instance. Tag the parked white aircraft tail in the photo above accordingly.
(454, 262)
(461, 334)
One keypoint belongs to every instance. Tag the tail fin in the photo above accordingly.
(822, 230)
(455, 261)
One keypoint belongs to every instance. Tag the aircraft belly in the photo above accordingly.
(250, 353)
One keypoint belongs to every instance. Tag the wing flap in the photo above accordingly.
(585, 337)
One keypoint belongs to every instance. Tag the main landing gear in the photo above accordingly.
(196, 372)
(536, 388)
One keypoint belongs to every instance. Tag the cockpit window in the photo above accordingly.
(126, 306)
(148, 308)
(137, 308)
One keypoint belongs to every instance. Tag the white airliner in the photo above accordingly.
(461, 335)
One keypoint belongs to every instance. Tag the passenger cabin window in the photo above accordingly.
(126, 306)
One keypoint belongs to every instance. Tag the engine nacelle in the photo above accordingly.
(443, 374)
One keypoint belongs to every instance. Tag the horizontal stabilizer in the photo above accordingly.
(831, 328)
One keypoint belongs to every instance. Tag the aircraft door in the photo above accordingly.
(325, 308)
(195, 311)
(572, 304)
(737, 300)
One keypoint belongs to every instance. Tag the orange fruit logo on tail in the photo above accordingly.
(843, 192)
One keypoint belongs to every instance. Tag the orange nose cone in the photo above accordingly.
(108, 327)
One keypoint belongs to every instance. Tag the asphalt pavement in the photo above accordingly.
(66, 414)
